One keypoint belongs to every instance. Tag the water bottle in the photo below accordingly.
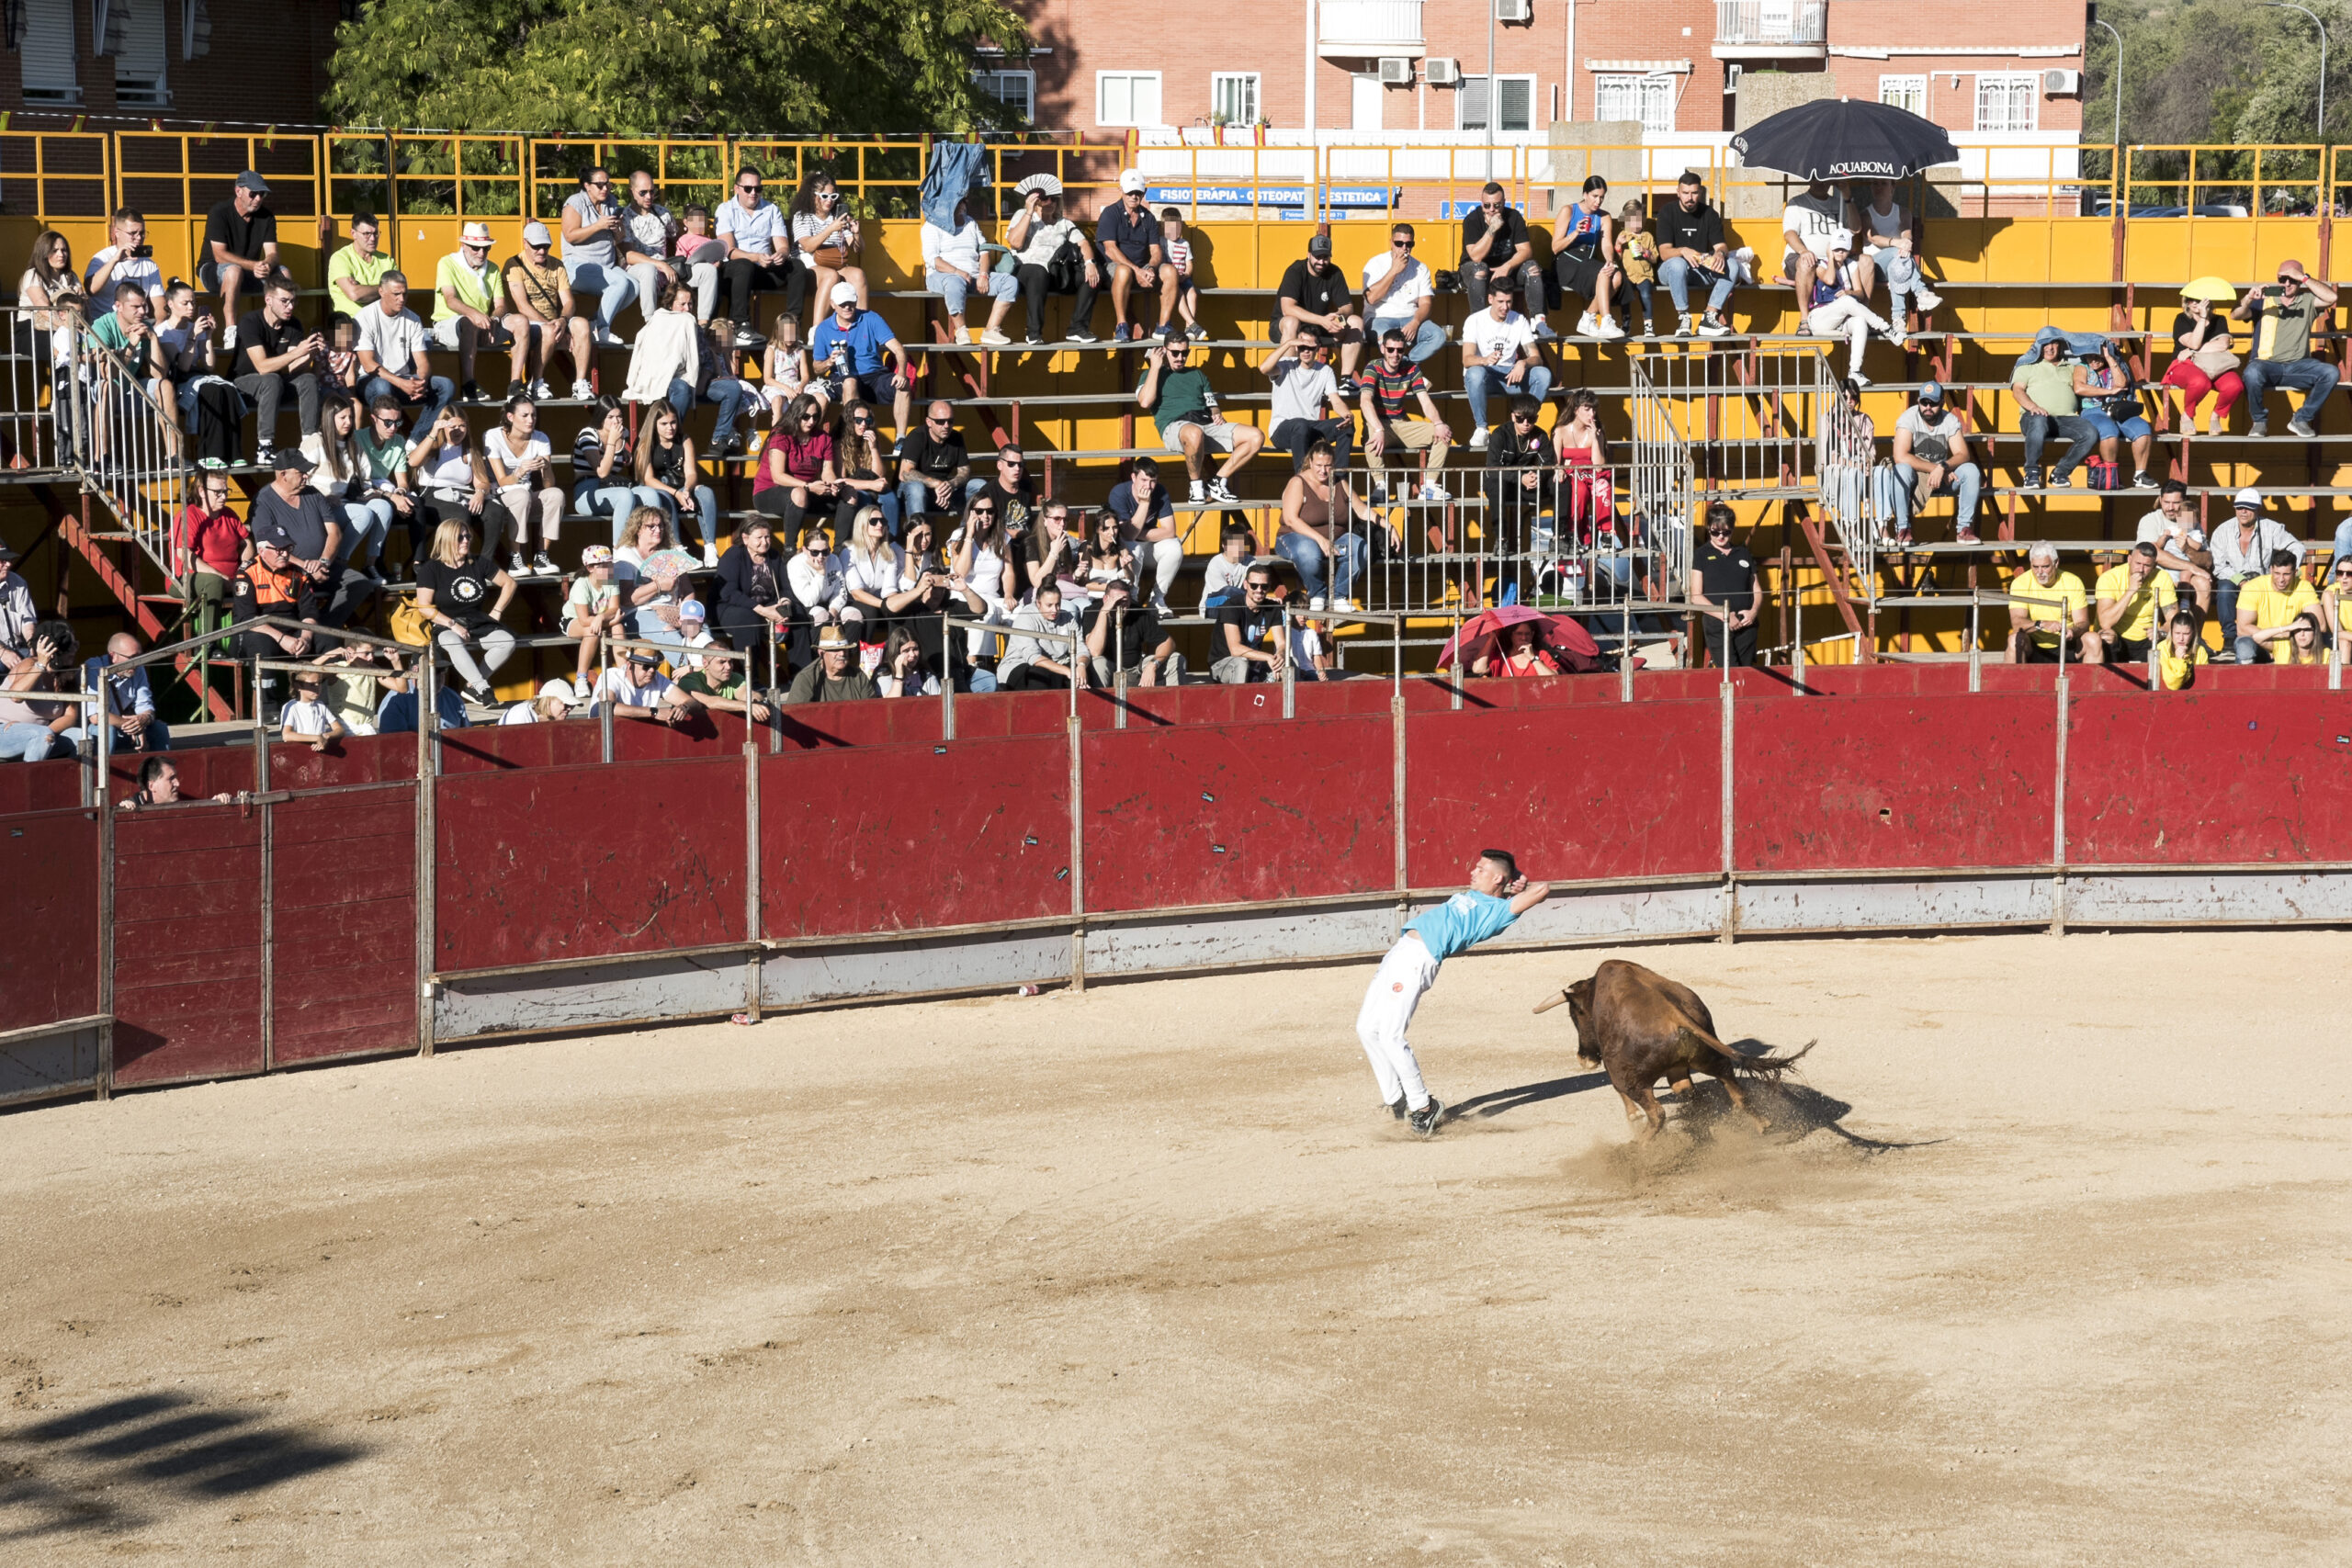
(1574, 581)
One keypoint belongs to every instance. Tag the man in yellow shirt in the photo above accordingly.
(2267, 607)
(2052, 623)
(474, 311)
(2133, 599)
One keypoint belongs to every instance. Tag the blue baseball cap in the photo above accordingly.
(1933, 392)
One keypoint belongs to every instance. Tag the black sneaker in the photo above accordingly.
(1426, 1119)
(265, 455)
(727, 446)
(471, 392)
(1349, 387)
(1397, 1108)
(1220, 491)
(2031, 479)
(1032, 340)
(2144, 480)
(1083, 334)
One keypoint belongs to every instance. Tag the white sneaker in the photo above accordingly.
(582, 392)
(1859, 379)
(1220, 491)
(709, 554)
(1200, 491)
(541, 393)
(229, 335)
(1587, 325)
(1926, 301)
(993, 338)
(1478, 439)
(1344, 605)
(1896, 336)
(1314, 601)
(1684, 325)
(1434, 492)
(1610, 330)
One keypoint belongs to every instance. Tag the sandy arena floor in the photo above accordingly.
(1146, 1275)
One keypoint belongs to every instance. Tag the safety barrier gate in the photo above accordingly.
(857, 853)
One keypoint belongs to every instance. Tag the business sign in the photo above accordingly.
(1267, 196)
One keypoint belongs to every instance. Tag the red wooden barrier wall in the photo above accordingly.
(2198, 780)
(187, 945)
(48, 942)
(342, 885)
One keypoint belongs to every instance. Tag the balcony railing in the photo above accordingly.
(1771, 24)
(1364, 28)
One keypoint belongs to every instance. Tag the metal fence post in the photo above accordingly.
(1077, 836)
(427, 776)
(105, 936)
(1730, 888)
(268, 930)
(752, 921)
(1290, 667)
(2058, 808)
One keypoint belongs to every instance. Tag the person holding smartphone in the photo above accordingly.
(128, 259)
(2285, 314)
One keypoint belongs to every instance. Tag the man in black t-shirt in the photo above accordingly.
(1140, 645)
(1494, 240)
(932, 466)
(1313, 293)
(239, 246)
(1722, 577)
(1011, 488)
(1248, 637)
(275, 352)
(1691, 249)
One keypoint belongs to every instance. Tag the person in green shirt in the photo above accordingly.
(354, 271)
(474, 311)
(1185, 410)
(382, 450)
(718, 685)
(2047, 406)
(127, 332)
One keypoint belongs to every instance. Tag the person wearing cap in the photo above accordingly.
(2268, 608)
(2241, 550)
(833, 676)
(32, 731)
(1183, 408)
(393, 357)
(592, 608)
(275, 586)
(592, 228)
(759, 257)
(2285, 314)
(694, 630)
(1313, 293)
(302, 522)
(240, 245)
(874, 363)
(1932, 458)
(276, 354)
(473, 301)
(2048, 406)
(1129, 236)
(1036, 237)
(954, 266)
(637, 689)
(1308, 406)
(539, 290)
(553, 704)
(2049, 619)
(1812, 217)
(1837, 301)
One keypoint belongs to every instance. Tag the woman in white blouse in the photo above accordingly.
(872, 569)
(522, 465)
(1036, 236)
(818, 588)
(339, 472)
(983, 565)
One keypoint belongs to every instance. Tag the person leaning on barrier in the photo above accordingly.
(159, 785)
(2135, 598)
(718, 685)
(2243, 549)
(1722, 578)
(2335, 607)
(2285, 315)
(396, 714)
(1248, 639)
(1932, 458)
(2267, 607)
(129, 701)
(2180, 653)
(635, 688)
(833, 676)
(1123, 639)
(1033, 663)
(2055, 624)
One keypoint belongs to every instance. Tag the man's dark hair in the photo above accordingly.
(125, 215)
(2145, 548)
(1691, 177)
(1528, 406)
(753, 170)
(60, 633)
(2283, 558)
(150, 770)
(279, 284)
(1491, 188)
(2173, 487)
(1498, 283)
(385, 400)
(1504, 858)
(1405, 228)
(367, 218)
(1143, 465)
(129, 292)
(1396, 336)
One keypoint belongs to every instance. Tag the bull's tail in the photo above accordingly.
(1767, 1067)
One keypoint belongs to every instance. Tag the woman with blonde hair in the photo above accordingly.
(872, 567)
(463, 594)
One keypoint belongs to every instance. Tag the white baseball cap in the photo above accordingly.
(559, 687)
(1131, 181)
(2252, 498)
(843, 294)
(536, 234)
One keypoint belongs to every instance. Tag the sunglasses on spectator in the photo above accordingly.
(1259, 584)
(600, 185)
(1522, 419)
(749, 185)
(1401, 245)
(938, 419)
(857, 422)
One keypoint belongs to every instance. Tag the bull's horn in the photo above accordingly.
(1548, 1003)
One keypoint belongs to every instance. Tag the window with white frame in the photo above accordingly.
(1649, 99)
(46, 52)
(139, 65)
(1514, 103)
(1016, 90)
(1905, 92)
(1126, 97)
(1233, 97)
(2006, 100)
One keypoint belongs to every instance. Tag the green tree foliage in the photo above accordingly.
(670, 67)
(2218, 70)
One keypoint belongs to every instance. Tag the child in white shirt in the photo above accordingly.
(308, 718)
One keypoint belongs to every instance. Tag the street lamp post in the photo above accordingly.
(2285, 5)
(2118, 82)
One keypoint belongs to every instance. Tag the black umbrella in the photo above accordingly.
(1845, 139)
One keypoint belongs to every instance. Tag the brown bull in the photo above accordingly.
(1641, 1027)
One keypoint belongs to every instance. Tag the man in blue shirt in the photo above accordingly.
(1129, 236)
(1497, 896)
(857, 349)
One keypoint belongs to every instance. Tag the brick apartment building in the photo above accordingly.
(2000, 71)
(230, 61)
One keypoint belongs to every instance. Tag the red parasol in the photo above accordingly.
(1570, 645)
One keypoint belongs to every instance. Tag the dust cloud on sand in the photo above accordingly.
(2043, 1260)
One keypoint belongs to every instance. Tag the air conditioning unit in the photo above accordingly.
(1439, 72)
(2061, 84)
(1514, 10)
(1396, 70)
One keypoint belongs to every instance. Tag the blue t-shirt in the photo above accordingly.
(1463, 921)
(396, 714)
(1122, 505)
(1131, 237)
(866, 341)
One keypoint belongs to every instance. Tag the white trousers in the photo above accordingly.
(1389, 1004)
(1848, 318)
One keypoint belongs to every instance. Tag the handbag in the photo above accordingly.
(830, 256)
(408, 624)
(2103, 475)
(2215, 359)
(1065, 271)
